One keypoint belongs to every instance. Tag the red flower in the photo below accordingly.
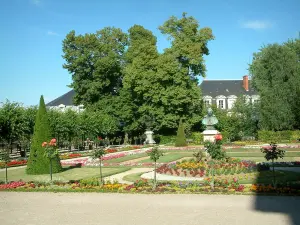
(99, 138)
(218, 137)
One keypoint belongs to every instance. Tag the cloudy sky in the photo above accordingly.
(33, 30)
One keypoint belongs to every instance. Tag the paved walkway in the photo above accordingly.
(119, 176)
(136, 209)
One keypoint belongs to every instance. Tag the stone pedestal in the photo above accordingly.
(209, 135)
(149, 137)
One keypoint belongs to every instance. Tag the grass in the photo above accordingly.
(262, 159)
(133, 177)
(169, 157)
(125, 158)
(288, 150)
(68, 174)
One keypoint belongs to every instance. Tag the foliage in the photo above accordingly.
(275, 74)
(279, 136)
(98, 154)
(180, 139)
(95, 62)
(166, 139)
(197, 138)
(199, 155)
(155, 154)
(273, 153)
(37, 163)
(215, 150)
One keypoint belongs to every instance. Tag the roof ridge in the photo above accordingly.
(60, 97)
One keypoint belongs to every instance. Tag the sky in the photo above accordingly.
(32, 32)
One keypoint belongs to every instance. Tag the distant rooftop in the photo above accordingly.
(224, 87)
(66, 99)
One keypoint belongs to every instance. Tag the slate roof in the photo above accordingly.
(214, 88)
(66, 99)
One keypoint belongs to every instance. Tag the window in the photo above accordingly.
(221, 104)
(206, 103)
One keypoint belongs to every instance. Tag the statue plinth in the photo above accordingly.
(209, 135)
(149, 137)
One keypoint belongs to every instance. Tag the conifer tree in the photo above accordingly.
(37, 162)
(180, 139)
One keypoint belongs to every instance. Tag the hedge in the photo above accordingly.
(278, 136)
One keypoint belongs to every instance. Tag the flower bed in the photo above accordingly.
(14, 163)
(201, 169)
(143, 186)
(95, 162)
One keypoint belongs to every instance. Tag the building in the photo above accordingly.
(224, 93)
(65, 102)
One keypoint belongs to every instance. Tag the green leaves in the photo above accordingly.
(155, 154)
(275, 74)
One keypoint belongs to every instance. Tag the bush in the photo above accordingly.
(278, 136)
(167, 139)
(197, 138)
(37, 163)
(215, 150)
(180, 139)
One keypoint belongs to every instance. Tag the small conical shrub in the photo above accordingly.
(37, 162)
(180, 139)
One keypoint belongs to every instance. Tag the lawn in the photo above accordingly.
(170, 157)
(68, 174)
(126, 158)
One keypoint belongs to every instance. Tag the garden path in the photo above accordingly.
(119, 176)
(134, 209)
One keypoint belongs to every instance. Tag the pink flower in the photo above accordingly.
(44, 144)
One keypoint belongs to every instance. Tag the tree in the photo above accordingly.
(272, 153)
(4, 156)
(98, 154)
(13, 123)
(180, 139)
(37, 163)
(155, 154)
(275, 74)
(95, 62)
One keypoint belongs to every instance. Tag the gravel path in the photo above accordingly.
(150, 175)
(138, 209)
(119, 176)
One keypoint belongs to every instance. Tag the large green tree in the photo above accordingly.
(95, 61)
(275, 74)
(37, 162)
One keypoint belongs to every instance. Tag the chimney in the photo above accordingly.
(245, 83)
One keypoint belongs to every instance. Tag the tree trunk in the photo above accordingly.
(154, 182)
(50, 169)
(273, 173)
(6, 180)
(101, 181)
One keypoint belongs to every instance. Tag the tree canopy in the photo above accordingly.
(124, 76)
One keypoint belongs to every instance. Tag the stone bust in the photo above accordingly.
(210, 120)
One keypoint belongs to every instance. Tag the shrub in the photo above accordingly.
(278, 136)
(215, 150)
(197, 138)
(37, 163)
(180, 139)
(167, 139)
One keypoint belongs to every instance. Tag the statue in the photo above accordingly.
(210, 120)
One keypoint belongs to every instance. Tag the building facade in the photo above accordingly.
(223, 93)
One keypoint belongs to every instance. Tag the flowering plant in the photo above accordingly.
(50, 152)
